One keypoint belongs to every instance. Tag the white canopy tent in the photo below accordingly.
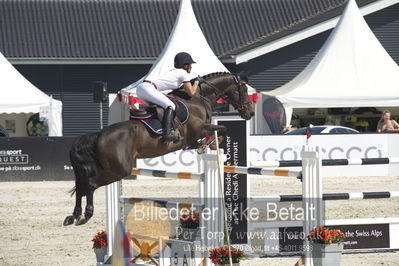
(186, 36)
(352, 69)
(18, 95)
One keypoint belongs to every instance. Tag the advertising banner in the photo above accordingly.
(235, 185)
(357, 236)
(182, 160)
(288, 147)
(35, 159)
(348, 146)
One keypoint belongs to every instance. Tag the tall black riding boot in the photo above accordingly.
(168, 117)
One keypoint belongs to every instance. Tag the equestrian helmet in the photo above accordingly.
(182, 59)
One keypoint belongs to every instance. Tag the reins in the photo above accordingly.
(208, 101)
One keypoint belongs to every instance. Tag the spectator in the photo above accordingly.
(35, 127)
(3, 132)
(386, 124)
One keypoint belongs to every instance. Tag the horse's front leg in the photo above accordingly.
(77, 211)
(209, 139)
(221, 132)
(211, 128)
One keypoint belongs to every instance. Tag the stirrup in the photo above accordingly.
(170, 138)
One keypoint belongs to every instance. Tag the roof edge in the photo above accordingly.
(90, 61)
(80, 61)
(306, 33)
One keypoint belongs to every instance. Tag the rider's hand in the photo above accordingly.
(199, 79)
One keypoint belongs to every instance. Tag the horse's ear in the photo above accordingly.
(236, 78)
(244, 78)
(243, 75)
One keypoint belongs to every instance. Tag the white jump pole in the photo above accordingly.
(112, 194)
(312, 194)
(214, 227)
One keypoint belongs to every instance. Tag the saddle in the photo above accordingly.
(152, 115)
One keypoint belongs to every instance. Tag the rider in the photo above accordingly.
(149, 91)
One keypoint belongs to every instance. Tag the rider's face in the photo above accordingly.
(187, 68)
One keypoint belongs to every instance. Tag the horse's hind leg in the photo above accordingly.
(77, 211)
(89, 210)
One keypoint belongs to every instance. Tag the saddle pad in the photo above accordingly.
(151, 121)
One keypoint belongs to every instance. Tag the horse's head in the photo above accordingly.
(231, 88)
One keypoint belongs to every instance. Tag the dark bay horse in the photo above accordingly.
(101, 158)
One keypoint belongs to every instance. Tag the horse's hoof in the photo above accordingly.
(69, 220)
(201, 150)
(80, 220)
(178, 139)
(213, 145)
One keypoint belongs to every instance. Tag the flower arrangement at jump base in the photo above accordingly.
(100, 239)
(190, 220)
(324, 235)
(220, 255)
(326, 246)
(100, 245)
(189, 226)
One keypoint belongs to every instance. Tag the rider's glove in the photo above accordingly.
(200, 79)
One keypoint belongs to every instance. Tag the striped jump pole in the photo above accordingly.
(167, 174)
(328, 162)
(331, 196)
(163, 203)
(261, 171)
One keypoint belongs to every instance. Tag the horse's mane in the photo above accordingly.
(180, 92)
(210, 75)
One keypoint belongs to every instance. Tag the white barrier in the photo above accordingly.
(209, 192)
(312, 183)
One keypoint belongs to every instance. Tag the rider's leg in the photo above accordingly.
(168, 118)
(148, 93)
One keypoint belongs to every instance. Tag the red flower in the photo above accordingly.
(325, 235)
(220, 255)
(190, 220)
(100, 239)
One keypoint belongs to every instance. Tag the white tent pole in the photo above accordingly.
(101, 115)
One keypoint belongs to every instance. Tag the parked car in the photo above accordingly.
(323, 130)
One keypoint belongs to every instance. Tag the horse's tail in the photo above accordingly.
(72, 191)
(84, 162)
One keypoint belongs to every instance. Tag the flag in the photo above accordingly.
(121, 251)
(308, 134)
(274, 114)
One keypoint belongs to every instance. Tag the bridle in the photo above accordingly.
(242, 102)
(242, 99)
